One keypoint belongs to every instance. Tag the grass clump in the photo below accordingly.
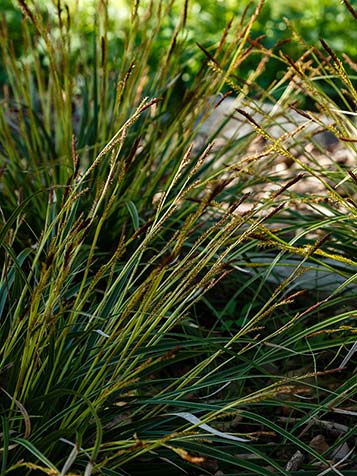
(163, 297)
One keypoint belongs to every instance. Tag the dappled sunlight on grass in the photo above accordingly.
(178, 281)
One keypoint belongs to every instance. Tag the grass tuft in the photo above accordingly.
(178, 281)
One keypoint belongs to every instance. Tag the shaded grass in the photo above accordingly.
(120, 233)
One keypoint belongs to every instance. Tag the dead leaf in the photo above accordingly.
(319, 444)
(340, 452)
(185, 455)
(295, 462)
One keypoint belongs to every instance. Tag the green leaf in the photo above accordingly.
(5, 444)
(32, 449)
(133, 213)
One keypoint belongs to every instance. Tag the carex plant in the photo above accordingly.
(142, 300)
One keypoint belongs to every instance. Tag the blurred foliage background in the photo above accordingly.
(311, 19)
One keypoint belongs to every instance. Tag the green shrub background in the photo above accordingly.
(313, 19)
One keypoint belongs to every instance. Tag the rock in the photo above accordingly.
(273, 118)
